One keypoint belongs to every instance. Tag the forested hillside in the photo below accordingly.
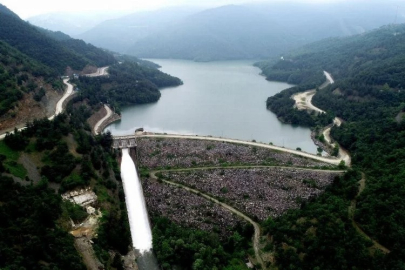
(39, 46)
(98, 56)
(28, 88)
(31, 61)
(58, 156)
(127, 83)
(17, 76)
(368, 94)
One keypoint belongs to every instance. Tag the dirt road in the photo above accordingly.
(351, 212)
(256, 236)
(100, 72)
(303, 101)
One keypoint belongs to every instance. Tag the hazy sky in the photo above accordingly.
(28, 8)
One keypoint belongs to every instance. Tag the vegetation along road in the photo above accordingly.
(303, 101)
(257, 229)
(101, 121)
(69, 91)
(59, 105)
(352, 210)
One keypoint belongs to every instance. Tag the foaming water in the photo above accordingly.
(137, 214)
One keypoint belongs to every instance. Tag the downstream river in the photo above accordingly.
(222, 99)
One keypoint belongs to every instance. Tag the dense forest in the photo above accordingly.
(368, 95)
(189, 248)
(34, 219)
(127, 83)
(19, 75)
(31, 61)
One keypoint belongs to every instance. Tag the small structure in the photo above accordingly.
(124, 142)
(82, 197)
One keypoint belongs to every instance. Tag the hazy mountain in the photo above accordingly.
(72, 23)
(47, 50)
(233, 32)
(261, 30)
(229, 32)
(120, 34)
(311, 22)
(5, 10)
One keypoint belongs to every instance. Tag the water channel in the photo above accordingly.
(222, 99)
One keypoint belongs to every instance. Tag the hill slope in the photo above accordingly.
(368, 95)
(73, 23)
(121, 33)
(27, 88)
(247, 31)
(41, 47)
(230, 32)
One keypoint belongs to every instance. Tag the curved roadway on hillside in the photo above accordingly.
(101, 121)
(303, 101)
(58, 108)
(69, 91)
(59, 105)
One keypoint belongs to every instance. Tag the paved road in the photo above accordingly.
(98, 124)
(59, 105)
(69, 91)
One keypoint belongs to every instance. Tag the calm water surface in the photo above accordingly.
(224, 99)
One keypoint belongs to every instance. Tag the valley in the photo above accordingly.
(109, 161)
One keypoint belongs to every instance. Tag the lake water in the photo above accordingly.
(222, 99)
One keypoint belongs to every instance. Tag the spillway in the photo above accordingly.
(137, 214)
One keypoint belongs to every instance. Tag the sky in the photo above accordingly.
(29, 8)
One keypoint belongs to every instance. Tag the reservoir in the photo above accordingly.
(221, 99)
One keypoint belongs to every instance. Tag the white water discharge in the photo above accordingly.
(137, 214)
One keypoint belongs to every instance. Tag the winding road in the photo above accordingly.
(256, 226)
(59, 105)
(69, 91)
(303, 101)
(351, 212)
(256, 236)
(101, 121)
